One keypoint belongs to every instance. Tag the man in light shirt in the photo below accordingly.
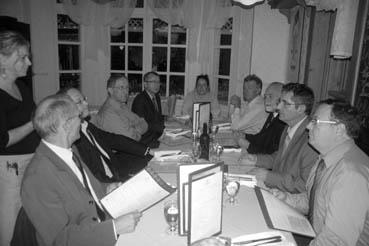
(288, 168)
(60, 195)
(251, 118)
(114, 115)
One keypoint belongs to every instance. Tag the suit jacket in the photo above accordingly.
(129, 157)
(267, 140)
(59, 207)
(144, 107)
(290, 171)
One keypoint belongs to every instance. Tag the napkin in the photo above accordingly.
(231, 149)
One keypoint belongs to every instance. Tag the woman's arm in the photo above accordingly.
(17, 134)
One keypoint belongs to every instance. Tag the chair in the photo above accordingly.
(12, 168)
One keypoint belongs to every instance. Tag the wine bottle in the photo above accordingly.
(204, 143)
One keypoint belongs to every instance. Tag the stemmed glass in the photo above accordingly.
(171, 216)
(196, 150)
(218, 150)
(232, 187)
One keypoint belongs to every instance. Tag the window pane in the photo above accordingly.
(135, 30)
(117, 57)
(135, 58)
(68, 57)
(140, 4)
(159, 32)
(117, 35)
(135, 83)
(224, 61)
(226, 33)
(178, 35)
(70, 80)
(163, 85)
(223, 90)
(177, 59)
(176, 85)
(159, 59)
(68, 30)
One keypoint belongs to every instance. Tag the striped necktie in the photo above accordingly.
(317, 179)
(155, 103)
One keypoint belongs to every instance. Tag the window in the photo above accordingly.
(69, 42)
(223, 50)
(165, 47)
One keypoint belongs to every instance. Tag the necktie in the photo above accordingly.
(268, 121)
(286, 143)
(155, 103)
(317, 178)
(76, 160)
(103, 157)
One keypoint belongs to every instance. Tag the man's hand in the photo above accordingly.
(113, 186)
(235, 101)
(127, 222)
(260, 173)
(281, 195)
(247, 159)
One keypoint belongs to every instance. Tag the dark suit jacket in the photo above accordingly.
(144, 107)
(267, 140)
(129, 156)
(59, 207)
(290, 171)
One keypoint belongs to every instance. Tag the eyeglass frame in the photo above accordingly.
(153, 81)
(120, 88)
(82, 100)
(315, 121)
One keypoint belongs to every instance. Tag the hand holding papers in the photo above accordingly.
(138, 193)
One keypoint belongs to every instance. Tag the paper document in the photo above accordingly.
(138, 193)
(279, 215)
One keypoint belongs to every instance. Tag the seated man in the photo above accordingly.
(114, 116)
(147, 105)
(60, 195)
(288, 168)
(96, 147)
(338, 200)
(201, 94)
(252, 117)
(267, 140)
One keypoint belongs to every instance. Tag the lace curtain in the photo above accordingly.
(198, 16)
(344, 26)
(97, 18)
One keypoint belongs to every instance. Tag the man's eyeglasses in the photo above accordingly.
(153, 81)
(316, 121)
(80, 116)
(81, 100)
(285, 103)
(121, 88)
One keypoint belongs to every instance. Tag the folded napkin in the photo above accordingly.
(231, 149)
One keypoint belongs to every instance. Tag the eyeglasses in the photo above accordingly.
(121, 88)
(285, 103)
(316, 121)
(153, 81)
(81, 100)
(80, 116)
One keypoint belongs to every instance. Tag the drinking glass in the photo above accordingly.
(232, 188)
(171, 216)
(218, 151)
(196, 150)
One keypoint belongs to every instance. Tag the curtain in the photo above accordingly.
(344, 27)
(198, 16)
(97, 18)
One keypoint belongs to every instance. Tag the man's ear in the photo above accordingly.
(341, 129)
(301, 108)
(110, 91)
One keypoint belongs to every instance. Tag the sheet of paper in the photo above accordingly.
(205, 203)
(182, 181)
(281, 216)
(138, 193)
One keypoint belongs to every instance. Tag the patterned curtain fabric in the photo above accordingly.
(344, 27)
(199, 16)
(97, 18)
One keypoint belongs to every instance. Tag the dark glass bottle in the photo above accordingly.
(204, 143)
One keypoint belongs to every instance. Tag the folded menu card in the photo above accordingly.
(138, 193)
(279, 215)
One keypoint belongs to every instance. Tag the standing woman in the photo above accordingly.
(18, 140)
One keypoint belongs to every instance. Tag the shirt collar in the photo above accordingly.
(60, 151)
(336, 154)
(152, 96)
(254, 101)
(292, 130)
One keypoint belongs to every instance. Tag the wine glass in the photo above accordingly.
(218, 150)
(171, 215)
(196, 150)
(232, 188)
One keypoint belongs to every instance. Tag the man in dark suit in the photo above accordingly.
(59, 193)
(267, 140)
(288, 168)
(96, 147)
(147, 105)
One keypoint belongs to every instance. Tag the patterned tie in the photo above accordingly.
(268, 121)
(287, 141)
(76, 160)
(317, 179)
(104, 158)
(155, 103)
